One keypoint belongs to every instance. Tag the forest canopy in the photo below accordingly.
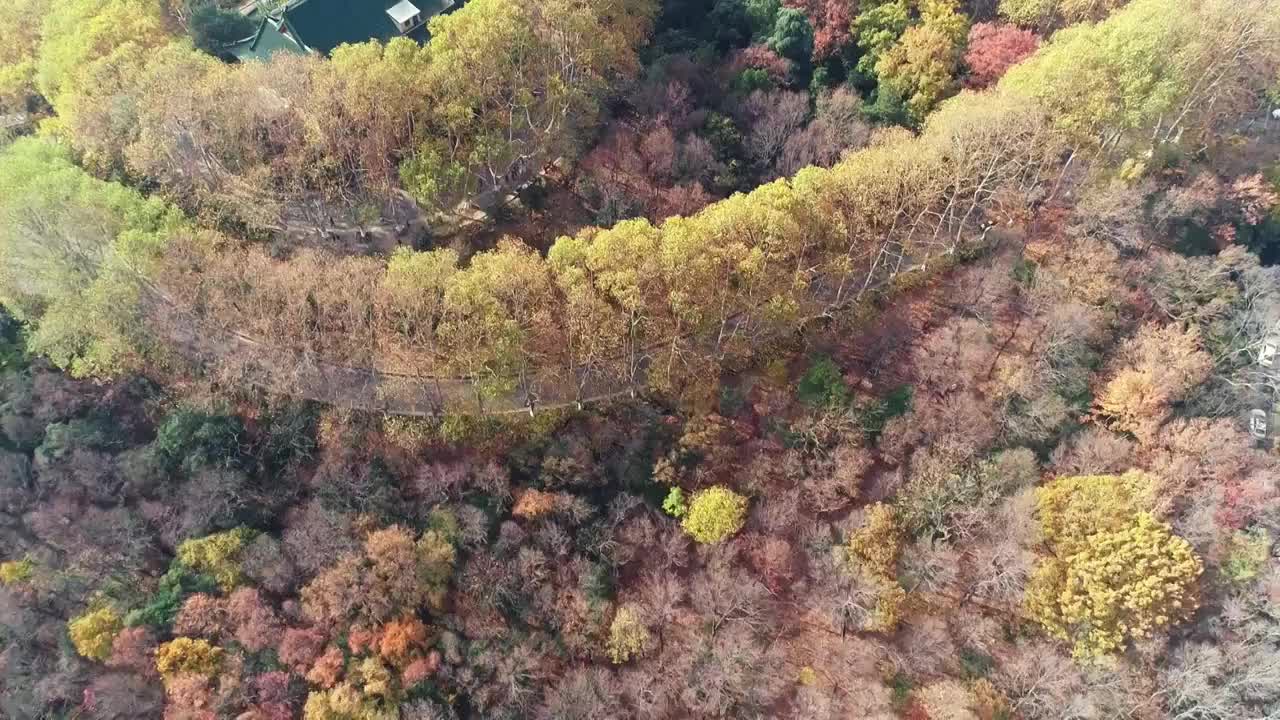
(633, 359)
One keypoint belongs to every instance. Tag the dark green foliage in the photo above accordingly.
(190, 439)
(262, 662)
(613, 210)
(886, 108)
(1194, 240)
(1024, 271)
(876, 413)
(1263, 238)
(724, 136)
(751, 80)
(822, 78)
(163, 605)
(672, 42)
(443, 522)
(726, 141)
(679, 15)
(213, 28)
(287, 434)
(63, 437)
(792, 36)
(534, 195)
(762, 15)
(502, 213)
(13, 343)
(975, 663)
(823, 385)
(1167, 156)
(729, 24)
(785, 434)
(708, 28)
(901, 686)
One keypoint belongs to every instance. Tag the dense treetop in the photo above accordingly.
(884, 359)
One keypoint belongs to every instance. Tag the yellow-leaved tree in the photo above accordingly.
(93, 632)
(872, 555)
(196, 656)
(1115, 572)
(715, 514)
(628, 636)
(217, 555)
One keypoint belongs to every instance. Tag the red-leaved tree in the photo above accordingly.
(994, 48)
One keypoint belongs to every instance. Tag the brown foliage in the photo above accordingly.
(202, 616)
(299, 648)
(256, 625)
(774, 560)
(762, 58)
(421, 669)
(1159, 366)
(327, 670)
(402, 640)
(134, 649)
(532, 503)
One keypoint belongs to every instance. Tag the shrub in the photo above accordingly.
(887, 613)
(872, 556)
(410, 434)
(189, 439)
(217, 555)
(15, 572)
(823, 386)
(13, 343)
(287, 435)
(63, 437)
(93, 632)
(1247, 553)
(1011, 470)
(876, 545)
(948, 700)
(901, 688)
(943, 482)
(175, 586)
(674, 504)
(436, 558)
(975, 663)
(445, 522)
(344, 702)
(876, 413)
(628, 637)
(714, 514)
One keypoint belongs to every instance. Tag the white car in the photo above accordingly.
(1267, 356)
(1258, 424)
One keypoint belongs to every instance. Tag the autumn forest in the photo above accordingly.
(641, 360)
